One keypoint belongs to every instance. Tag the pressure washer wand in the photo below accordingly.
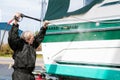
(22, 15)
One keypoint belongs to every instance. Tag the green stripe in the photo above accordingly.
(110, 3)
(106, 30)
(109, 35)
(84, 26)
(78, 71)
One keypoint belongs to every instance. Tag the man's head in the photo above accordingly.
(28, 37)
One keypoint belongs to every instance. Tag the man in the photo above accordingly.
(24, 50)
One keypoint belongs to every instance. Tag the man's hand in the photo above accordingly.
(17, 17)
(46, 23)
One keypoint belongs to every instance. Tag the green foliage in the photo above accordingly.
(5, 50)
(36, 32)
(39, 56)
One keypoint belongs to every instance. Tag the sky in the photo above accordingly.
(28, 7)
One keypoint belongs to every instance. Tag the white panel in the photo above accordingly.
(103, 51)
(75, 5)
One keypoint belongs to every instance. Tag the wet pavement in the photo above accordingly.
(6, 67)
(6, 71)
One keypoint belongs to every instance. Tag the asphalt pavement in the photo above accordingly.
(10, 61)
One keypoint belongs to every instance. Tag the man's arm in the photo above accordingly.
(13, 38)
(40, 36)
